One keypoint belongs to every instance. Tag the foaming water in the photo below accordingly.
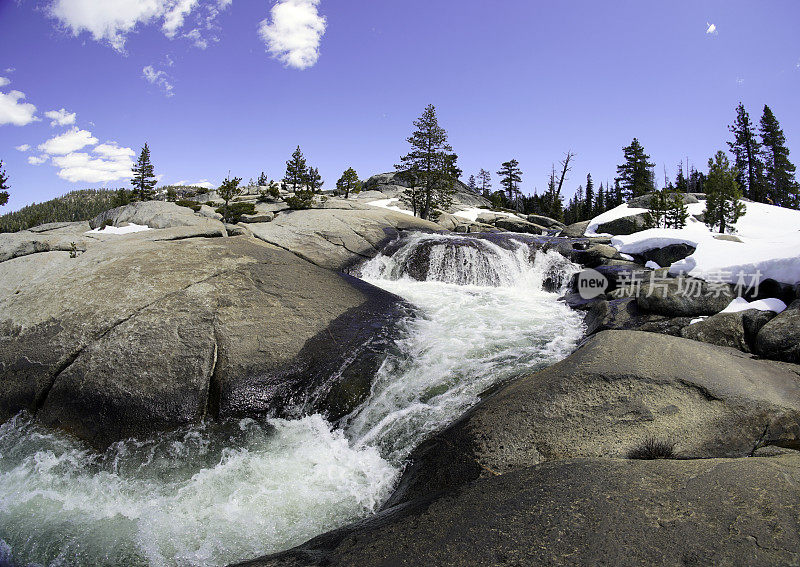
(215, 494)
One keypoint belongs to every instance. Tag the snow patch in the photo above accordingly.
(741, 304)
(390, 204)
(471, 214)
(127, 229)
(652, 265)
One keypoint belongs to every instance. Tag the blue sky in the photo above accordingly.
(233, 85)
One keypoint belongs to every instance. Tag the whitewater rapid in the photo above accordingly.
(218, 493)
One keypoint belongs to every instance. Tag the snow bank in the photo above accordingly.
(471, 214)
(741, 304)
(127, 229)
(769, 244)
(390, 204)
(652, 265)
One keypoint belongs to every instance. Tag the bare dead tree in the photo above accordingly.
(565, 168)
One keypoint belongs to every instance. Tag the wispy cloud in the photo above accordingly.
(711, 29)
(112, 21)
(159, 79)
(4, 81)
(60, 117)
(293, 32)
(38, 160)
(70, 141)
(23, 148)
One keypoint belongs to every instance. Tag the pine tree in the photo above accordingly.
(143, 181)
(747, 155)
(432, 164)
(552, 202)
(263, 180)
(472, 184)
(666, 210)
(589, 207)
(723, 207)
(600, 201)
(677, 211)
(510, 178)
(636, 174)
(227, 191)
(348, 183)
(781, 186)
(485, 180)
(3, 186)
(681, 183)
(314, 180)
(296, 170)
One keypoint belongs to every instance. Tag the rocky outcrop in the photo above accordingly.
(585, 512)
(735, 330)
(45, 238)
(618, 389)
(643, 201)
(780, 338)
(683, 296)
(390, 185)
(515, 224)
(336, 239)
(666, 255)
(623, 225)
(140, 334)
(160, 215)
(575, 230)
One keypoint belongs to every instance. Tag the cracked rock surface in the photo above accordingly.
(142, 332)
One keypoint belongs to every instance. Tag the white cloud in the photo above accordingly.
(112, 20)
(113, 151)
(37, 160)
(23, 148)
(205, 183)
(294, 33)
(711, 29)
(4, 81)
(80, 166)
(158, 78)
(14, 111)
(739, 81)
(68, 142)
(60, 117)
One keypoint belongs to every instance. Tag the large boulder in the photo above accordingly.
(546, 222)
(585, 512)
(682, 296)
(337, 238)
(140, 335)
(45, 238)
(735, 330)
(516, 224)
(618, 389)
(643, 201)
(161, 214)
(666, 255)
(780, 338)
(391, 185)
(575, 230)
(623, 225)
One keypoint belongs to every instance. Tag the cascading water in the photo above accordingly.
(214, 494)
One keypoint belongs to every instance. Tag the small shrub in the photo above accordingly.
(236, 210)
(211, 203)
(190, 204)
(652, 448)
(73, 250)
(107, 222)
(301, 202)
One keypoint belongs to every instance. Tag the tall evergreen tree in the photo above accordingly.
(681, 183)
(3, 186)
(348, 183)
(143, 181)
(472, 184)
(600, 202)
(314, 180)
(485, 183)
(296, 170)
(636, 174)
(747, 155)
(781, 186)
(510, 178)
(432, 163)
(589, 208)
(723, 206)
(263, 180)
(552, 201)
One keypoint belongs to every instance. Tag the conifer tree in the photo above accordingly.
(432, 164)
(747, 155)
(636, 174)
(348, 183)
(227, 191)
(600, 201)
(589, 207)
(263, 180)
(485, 183)
(296, 170)
(314, 180)
(3, 186)
(510, 178)
(143, 181)
(723, 207)
(781, 186)
(552, 201)
(681, 183)
(472, 184)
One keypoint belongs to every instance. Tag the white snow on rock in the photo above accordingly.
(127, 229)
(390, 204)
(767, 244)
(652, 265)
(741, 304)
(471, 214)
(613, 214)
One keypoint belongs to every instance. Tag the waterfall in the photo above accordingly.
(213, 494)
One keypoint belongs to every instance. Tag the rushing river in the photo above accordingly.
(215, 494)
